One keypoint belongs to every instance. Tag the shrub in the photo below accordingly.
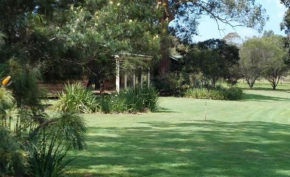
(76, 98)
(131, 100)
(169, 83)
(140, 99)
(218, 93)
(233, 93)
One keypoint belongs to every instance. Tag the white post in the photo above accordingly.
(125, 81)
(117, 75)
(148, 78)
(134, 80)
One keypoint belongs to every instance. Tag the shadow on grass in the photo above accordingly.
(267, 89)
(187, 149)
(164, 110)
(258, 97)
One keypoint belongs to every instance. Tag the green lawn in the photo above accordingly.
(243, 138)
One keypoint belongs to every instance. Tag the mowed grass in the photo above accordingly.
(243, 138)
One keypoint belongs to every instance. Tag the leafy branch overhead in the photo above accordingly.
(185, 15)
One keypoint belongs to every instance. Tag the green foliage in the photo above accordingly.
(6, 101)
(25, 83)
(76, 38)
(213, 58)
(51, 141)
(47, 160)
(38, 143)
(252, 59)
(131, 100)
(263, 57)
(13, 159)
(76, 97)
(218, 93)
(186, 15)
(172, 83)
(275, 64)
(233, 93)
(52, 144)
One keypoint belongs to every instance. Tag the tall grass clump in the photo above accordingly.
(131, 100)
(76, 98)
(218, 93)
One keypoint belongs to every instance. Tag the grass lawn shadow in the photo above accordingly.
(165, 110)
(259, 97)
(210, 148)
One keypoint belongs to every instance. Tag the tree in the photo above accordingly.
(233, 39)
(268, 33)
(253, 55)
(183, 18)
(263, 57)
(76, 38)
(275, 66)
(285, 25)
(213, 58)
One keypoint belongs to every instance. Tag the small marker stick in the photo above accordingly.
(205, 104)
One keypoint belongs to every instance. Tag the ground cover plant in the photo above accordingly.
(131, 100)
(75, 97)
(218, 93)
(242, 138)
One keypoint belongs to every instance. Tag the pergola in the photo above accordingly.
(128, 56)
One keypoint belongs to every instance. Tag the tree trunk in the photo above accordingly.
(164, 63)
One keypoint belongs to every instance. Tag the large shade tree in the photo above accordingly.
(183, 18)
(73, 38)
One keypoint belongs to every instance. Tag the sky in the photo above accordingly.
(208, 28)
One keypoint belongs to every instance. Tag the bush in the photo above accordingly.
(131, 100)
(77, 98)
(170, 83)
(218, 93)
(233, 93)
